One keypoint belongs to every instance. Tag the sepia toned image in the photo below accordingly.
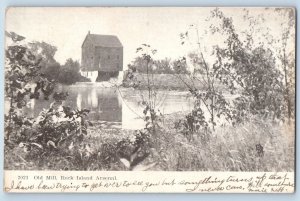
(150, 92)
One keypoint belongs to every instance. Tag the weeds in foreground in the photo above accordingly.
(252, 146)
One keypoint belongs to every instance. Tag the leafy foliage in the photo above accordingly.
(260, 90)
(23, 80)
(45, 52)
(69, 73)
(163, 66)
(58, 130)
(146, 137)
(209, 99)
(134, 150)
(194, 123)
(248, 69)
(150, 111)
(252, 72)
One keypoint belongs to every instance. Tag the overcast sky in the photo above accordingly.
(66, 28)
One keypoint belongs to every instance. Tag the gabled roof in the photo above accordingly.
(103, 40)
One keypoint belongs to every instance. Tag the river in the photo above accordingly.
(121, 107)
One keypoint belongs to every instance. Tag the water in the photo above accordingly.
(118, 106)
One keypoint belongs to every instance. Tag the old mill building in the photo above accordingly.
(101, 57)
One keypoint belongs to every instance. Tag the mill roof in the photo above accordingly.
(103, 40)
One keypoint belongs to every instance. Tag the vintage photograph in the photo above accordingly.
(150, 89)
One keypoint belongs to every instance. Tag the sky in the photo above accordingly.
(66, 28)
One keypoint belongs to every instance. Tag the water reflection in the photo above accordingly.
(110, 105)
(104, 103)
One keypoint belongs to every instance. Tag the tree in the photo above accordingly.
(71, 65)
(287, 57)
(43, 50)
(52, 70)
(56, 128)
(239, 60)
(179, 67)
(161, 66)
(23, 80)
(251, 68)
(209, 98)
(150, 102)
(140, 65)
(69, 73)
(46, 52)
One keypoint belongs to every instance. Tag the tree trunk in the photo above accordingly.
(287, 90)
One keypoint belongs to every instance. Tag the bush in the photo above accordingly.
(69, 73)
(57, 130)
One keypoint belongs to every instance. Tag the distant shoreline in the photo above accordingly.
(169, 82)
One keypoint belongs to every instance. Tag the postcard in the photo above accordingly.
(149, 100)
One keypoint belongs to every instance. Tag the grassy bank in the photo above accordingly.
(164, 81)
(226, 149)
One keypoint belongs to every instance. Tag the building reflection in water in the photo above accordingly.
(107, 104)
(104, 103)
(78, 101)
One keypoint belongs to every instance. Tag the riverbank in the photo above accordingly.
(178, 82)
(229, 148)
(170, 82)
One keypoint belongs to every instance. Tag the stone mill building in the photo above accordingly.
(101, 57)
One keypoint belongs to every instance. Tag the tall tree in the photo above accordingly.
(46, 52)
(23, 81)
(287, 56)
(250, 67)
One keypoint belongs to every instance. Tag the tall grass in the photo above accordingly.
(235, 148)
(228, 148)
